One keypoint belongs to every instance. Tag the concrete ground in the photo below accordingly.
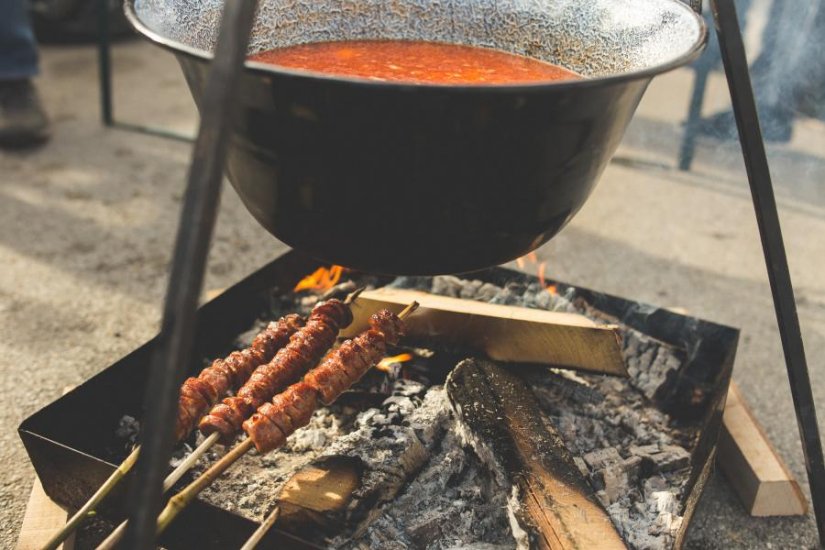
(87, 225)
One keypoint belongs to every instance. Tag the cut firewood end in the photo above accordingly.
(553, 504)
(43, 517)
(502, 333)
(752, 466)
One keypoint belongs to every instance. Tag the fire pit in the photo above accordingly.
(421, 475)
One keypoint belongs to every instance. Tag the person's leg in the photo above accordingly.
(810, 94)
(18, 49)
(22, 120)
(775, 74)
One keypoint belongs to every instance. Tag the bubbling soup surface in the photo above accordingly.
(415, 62)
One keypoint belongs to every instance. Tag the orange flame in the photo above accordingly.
(322, 279)
(387, 362)
(552, 289)
(542, 268)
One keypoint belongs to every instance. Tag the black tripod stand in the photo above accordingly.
(198, 219)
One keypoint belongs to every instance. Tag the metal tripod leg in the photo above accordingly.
(104, 62)
(197, 221)
(756, 164)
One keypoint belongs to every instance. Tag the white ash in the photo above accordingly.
(393, 444)
(452, 503)
(634, 457)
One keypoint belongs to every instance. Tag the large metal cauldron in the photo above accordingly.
(423, 179)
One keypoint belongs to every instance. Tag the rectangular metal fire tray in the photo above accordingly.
(73, 447)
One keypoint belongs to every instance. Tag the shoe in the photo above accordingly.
(23, 123)
(776, 124)
(812, 105)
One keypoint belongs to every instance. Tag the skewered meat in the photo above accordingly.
(199, 393)
(305, 348)
(273, 422)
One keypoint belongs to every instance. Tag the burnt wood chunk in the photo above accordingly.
(315, 497)
(556, 506)
(499, 332)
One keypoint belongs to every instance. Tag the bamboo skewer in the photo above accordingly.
(75, 521)
(262, 530)
(114, 537)
(179, 502)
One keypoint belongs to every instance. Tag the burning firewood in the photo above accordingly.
(269, 427)
(500, 332)
(552, 502)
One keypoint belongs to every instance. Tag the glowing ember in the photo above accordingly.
(322, 279)
(387, 362)
(552, 289)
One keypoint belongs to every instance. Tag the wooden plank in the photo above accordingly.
(43, 518)
(502, 333)
(557, 508)
(752, 465)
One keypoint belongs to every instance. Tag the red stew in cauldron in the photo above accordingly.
(415, 62)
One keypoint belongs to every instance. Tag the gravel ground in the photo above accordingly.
(87, 224)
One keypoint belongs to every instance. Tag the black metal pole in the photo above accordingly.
(197, 222)
(697, 99)
(104, 61)
(756, 164)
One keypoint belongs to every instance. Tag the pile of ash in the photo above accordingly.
(634, 456)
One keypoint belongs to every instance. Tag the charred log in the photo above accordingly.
(552, 501)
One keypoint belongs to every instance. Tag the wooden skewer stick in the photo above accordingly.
(352, 296)
(75, 521)
(114, 537)
(253, 541)
(179, 502)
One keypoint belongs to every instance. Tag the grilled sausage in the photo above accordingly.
(341, 368)
(199, 393)
(303, 351)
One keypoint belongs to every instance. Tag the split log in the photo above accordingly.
(554, 504)
(754, 469)
(502, 333)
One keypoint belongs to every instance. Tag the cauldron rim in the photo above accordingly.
(264, 69)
